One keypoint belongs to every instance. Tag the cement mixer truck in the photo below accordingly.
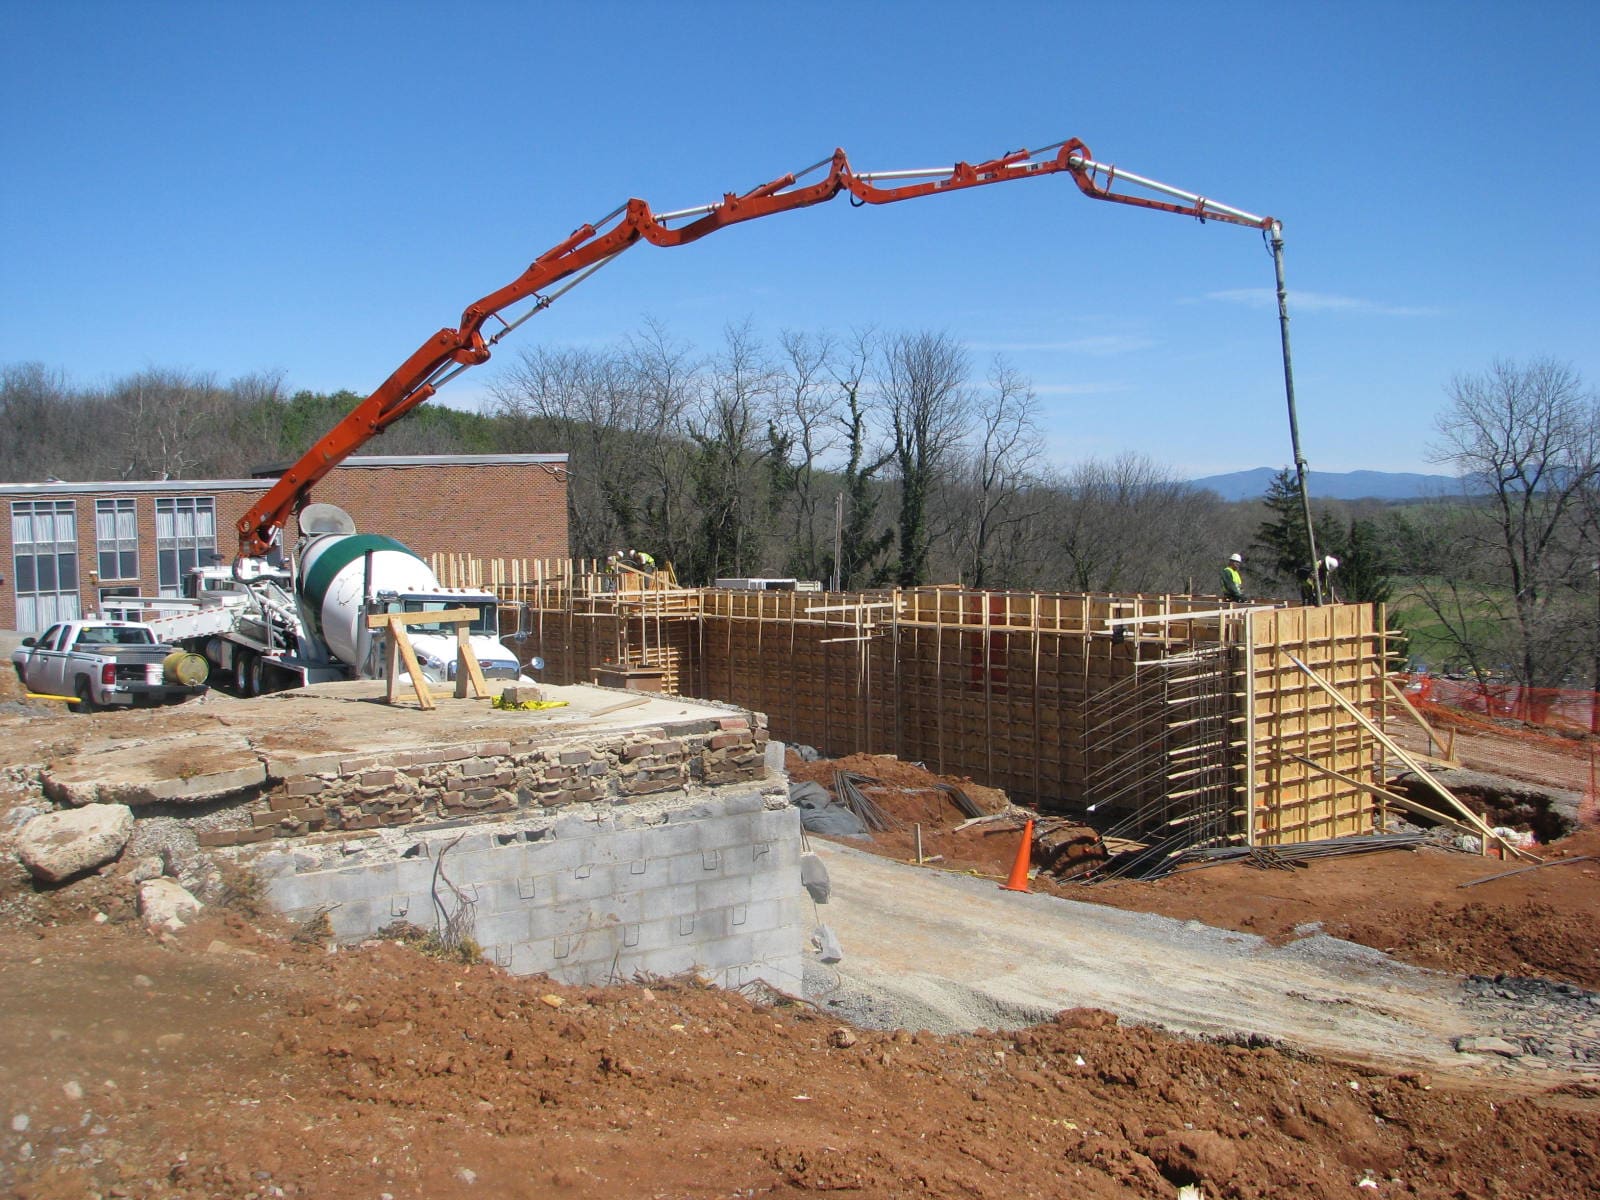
(265, 627)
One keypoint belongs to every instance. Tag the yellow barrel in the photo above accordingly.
(183, 667)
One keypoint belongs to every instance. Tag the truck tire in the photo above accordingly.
(258, 676)
(85, 696)
(241, 672)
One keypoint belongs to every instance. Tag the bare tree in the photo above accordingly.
(665, 379)
(1001, 463)
(585, 402)
(725, 426)
(803, 428)
(922, 388)
(861, 538)
(42, 418)
(1129, 526)
(168, 424)
(1524, 438)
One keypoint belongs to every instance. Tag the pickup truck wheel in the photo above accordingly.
(85, 702)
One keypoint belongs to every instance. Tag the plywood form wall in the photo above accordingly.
(998, 686)
(1300, 739)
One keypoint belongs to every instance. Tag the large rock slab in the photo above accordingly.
(59, 845)
(189, 769)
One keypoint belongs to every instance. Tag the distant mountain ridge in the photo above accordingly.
(1335, 485)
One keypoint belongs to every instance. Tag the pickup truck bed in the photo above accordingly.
(102, 663)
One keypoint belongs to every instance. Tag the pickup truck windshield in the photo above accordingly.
(486, 622)
(111, 635)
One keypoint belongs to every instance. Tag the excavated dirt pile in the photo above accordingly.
(225, 1063)
(240, 1059)
(911, 795)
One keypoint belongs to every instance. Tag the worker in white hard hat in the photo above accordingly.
(1232, 582)
(1324, 573)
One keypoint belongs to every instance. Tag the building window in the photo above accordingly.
(116, 535)
(186, 536)
(44, 541)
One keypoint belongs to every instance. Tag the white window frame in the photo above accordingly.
(186, 537)
(116, 537)
(44, 531)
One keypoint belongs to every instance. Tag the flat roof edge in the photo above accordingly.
(255, 483)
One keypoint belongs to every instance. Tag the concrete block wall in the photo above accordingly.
(712, 886)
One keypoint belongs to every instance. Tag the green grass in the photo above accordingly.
(1430, 643)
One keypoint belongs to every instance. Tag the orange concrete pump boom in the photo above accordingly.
(451, 351)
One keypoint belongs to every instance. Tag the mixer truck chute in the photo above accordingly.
(450, 351)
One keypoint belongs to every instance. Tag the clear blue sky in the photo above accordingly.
(317, 188)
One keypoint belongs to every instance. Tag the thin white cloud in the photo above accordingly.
(1098, 346)
(1321, 302)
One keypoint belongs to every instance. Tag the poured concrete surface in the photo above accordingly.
(950, 952)
(219, 746)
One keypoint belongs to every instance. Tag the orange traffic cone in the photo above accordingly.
(1019, 869)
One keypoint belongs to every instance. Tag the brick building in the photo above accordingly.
(72, 548)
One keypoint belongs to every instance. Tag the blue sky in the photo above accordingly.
(318, 188)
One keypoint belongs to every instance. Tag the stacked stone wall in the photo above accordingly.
(352, 792)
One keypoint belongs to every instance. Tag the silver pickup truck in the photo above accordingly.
(102, 663)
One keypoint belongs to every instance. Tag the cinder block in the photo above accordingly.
(618, 910)
(671, 841)
(773, 757)
(763, 916)
(776, 825)
(505, 928)
(587, 881)
(413, 875)
(500, 896)
(774, 884)
(663, 903)
(698, 867)
(777, 944)
(719, 953)
(354, 921)
(638, 875)
(723, 892)
(558, 920)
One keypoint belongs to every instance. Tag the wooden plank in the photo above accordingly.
(419, 682)
(1415, 767)
(467, 669)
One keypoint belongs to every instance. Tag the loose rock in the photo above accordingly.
(166, 902)
(60, 845)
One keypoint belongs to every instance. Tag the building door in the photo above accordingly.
(44, 540)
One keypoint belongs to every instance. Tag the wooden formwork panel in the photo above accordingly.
(997, 686)
(1301, 740)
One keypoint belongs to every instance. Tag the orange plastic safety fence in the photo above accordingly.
(1564, 709)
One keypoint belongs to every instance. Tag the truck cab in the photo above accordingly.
(435, 644)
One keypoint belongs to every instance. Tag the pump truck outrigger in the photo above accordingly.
(450, 351)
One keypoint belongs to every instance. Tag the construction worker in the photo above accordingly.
(1308, 589)
(1232, 582)
(646, 561)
